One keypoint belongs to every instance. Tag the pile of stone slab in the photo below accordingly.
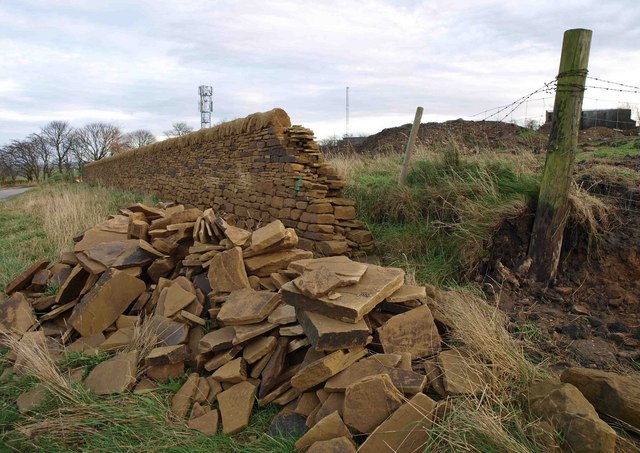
(347, 348)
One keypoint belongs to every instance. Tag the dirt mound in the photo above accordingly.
(474, 134)
(592, 310)
(594, 133)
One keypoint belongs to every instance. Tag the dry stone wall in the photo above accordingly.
(260, 168)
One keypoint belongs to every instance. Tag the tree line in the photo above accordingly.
(59, 147)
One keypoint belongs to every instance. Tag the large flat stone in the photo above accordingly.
(16, 316)
(610, 393)
(406, 430)
(369, 401)
(22, 280)
(322, 369)
(95, 236)
(116, 375)
(227, 271)
(235, 405)
(246, 306)
(328, 334)
(105, 302)
(354, 301)
(414, 331)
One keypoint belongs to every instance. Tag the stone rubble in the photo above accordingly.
(346, 347)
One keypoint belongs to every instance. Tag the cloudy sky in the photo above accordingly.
(139, 63)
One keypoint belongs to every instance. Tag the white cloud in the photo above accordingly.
(140, 63)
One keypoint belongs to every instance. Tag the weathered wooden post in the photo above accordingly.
(553, 200)
(409, 149)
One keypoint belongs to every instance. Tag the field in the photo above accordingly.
(441, 228)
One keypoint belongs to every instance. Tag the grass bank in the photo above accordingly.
(441, 223)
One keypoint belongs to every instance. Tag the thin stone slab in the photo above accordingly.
(207, 424)
(406, 430)
(245, 333)
(461, 373)
(73, 285)
(259, 348)
(354, 301)
(164, 355)
(227, 271)
(407, 293)
(116, 375)
(236, 404)
(16, 316)
(167, 331)
(218, 340)
(265, 265)
(246, 306)
(22, 280)
(119, 339)
(322, 369)
(105, 302)
(414, 331)
(283, 314)
(33, 398)
(328, 334)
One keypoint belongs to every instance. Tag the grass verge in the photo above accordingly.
(42, 222)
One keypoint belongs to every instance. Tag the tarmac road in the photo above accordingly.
(6, 193)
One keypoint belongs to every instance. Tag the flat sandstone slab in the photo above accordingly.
(328, 334)
(355, 301)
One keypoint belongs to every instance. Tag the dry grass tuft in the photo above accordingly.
(68, 209)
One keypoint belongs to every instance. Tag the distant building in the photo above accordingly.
(611, 118)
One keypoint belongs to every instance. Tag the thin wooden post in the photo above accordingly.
(553, 200)
(409, 148)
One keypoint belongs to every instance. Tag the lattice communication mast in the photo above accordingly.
(206, 105)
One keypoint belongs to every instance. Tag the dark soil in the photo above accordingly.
(471, 134)
(592, 310)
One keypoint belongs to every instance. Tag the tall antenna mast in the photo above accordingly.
(347, 128)
(206, 105)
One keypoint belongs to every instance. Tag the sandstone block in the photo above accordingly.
(369, 401)
(227, 272)
(236, 404)
(246, 306)
(328, 334)
(116, 375)
(414, 331)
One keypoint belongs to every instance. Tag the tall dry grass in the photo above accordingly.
(67, 210)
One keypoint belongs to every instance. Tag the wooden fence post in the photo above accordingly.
(409, 149)
(553, 200)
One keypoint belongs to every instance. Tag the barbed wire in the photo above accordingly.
(613, 83)
(612, 89)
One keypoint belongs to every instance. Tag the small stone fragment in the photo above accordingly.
(328, 334)
(330, 427)
(283, 314)
(234, 372)
(322, 369)
(318, 282)
(207, 424)
(338, 445)
(181, 401)
(227, 272)
(164, 355)
(116, 375)
(258, 348)
(22, 280)
(16, 316)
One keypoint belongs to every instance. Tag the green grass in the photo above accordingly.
(22, 242)
(619, 151)
(442, 222)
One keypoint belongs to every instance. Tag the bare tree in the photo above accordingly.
(7, 165)
(96, 141)
(59, 137)
(24, 157)
(178, 129)
(44, 153)
(139, 138)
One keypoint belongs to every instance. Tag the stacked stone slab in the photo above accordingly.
(259, 168)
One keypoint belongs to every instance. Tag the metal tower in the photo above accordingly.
(206, 105)
(347, 111)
